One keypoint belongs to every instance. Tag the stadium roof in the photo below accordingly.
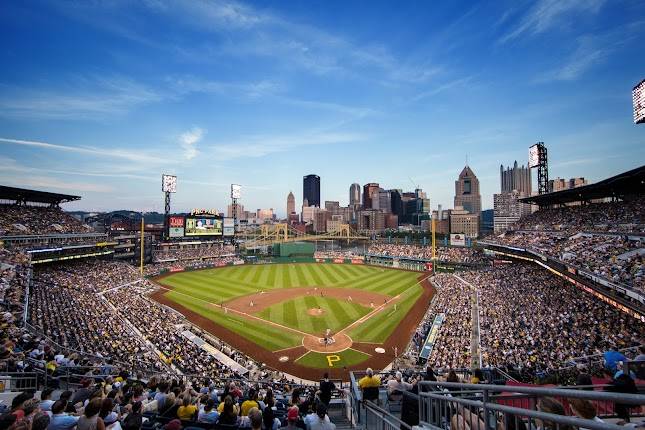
(630, 183)
(22, 195)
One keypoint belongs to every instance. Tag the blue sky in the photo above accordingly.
(100, 98)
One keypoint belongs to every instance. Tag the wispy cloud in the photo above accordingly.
(546, 14)
(84, 98)
(88, 150)
(188, 142)
(261, 146)
(592, 50)
(442, 88)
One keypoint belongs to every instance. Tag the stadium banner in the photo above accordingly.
(457, 239)
(176, 232)
(229, 231)
(432, 336)
(339, 260)
(357, 261)
(203, 226)
(229, 226)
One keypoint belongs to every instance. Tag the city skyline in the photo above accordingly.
(225, 92)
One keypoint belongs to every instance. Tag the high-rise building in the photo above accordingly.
(559, 184)
(396, 203)
(370, 196)
(291, 204)
(517, 178)
(332, 206)
(240, 212)
(467, 192)
(354, 194)
(311, 189)
(464, 222)
(264, 214)
(508, 210)
(371, 221)
(385, 200)
(320, 217)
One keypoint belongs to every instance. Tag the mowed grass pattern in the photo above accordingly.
(337, 314)
(200, 290)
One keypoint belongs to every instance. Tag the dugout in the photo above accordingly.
(294, 249)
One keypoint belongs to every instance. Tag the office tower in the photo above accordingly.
(516, 178)
(508, 210)
(370, 196)
(291, 204)
(467, 192)
(354, 194)
(311, 190)
(385, 200)
(464, 222)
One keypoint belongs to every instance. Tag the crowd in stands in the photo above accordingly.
(29, 220)
(620, 217)
(193, 252)
(616, 258)
(451, 349)
(532, 322)
(451, 254)
(163, 328)
(205, 263)
(344, 253)
(14, 278)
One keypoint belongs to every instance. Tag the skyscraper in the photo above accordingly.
(370, 196)
(291, 204)
(516, 178)
(354, 194)
(311, 189)
(467, 192)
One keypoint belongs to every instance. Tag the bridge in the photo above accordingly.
(268, 234)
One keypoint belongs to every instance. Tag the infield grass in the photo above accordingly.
(202, 291)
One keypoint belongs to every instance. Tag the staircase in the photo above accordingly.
(337, 416)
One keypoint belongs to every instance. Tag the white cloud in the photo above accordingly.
(260, 146)
(188, 141)
(112, 152)
(84, 98)
(546, 14)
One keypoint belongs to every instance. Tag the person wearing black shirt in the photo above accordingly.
(326, 388)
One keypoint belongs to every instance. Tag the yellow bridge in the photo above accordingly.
(268, 234)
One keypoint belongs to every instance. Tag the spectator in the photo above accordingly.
(326, 389)
(208, 413)
(90, 419)
(255, 417)
(59, 419)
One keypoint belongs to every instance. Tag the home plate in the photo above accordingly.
(283, 359)
(379, 350)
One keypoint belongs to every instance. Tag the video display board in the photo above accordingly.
(176, 226)
(229, 227)
(201, 225)
(534, 156)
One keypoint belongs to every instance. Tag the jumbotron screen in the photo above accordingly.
(203, 226)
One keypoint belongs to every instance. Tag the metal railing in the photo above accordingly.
(18, 381)
(486, 407)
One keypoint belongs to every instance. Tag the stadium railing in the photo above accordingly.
(483, 407)
(18, 381)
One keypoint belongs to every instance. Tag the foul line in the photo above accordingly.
(238, 312)
(378, 309)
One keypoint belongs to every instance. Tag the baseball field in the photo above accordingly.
(303, 317)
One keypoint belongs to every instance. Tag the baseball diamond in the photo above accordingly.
(319, 316)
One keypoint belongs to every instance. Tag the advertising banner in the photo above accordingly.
(457, 239)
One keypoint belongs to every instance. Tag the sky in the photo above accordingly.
(99, 98)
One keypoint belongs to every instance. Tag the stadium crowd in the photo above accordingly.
(451, 349)
(533, 322)
(618, 258)
(25, 220)
(452, 254)
(619, 217)
(193, 252)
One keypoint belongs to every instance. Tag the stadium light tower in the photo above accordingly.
(236, 193)
(538, 158)
(168, 185)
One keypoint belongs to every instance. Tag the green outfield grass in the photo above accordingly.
(201, 291)
(319, 360)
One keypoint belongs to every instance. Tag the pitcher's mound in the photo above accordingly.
(315, 312)
(340, 343)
